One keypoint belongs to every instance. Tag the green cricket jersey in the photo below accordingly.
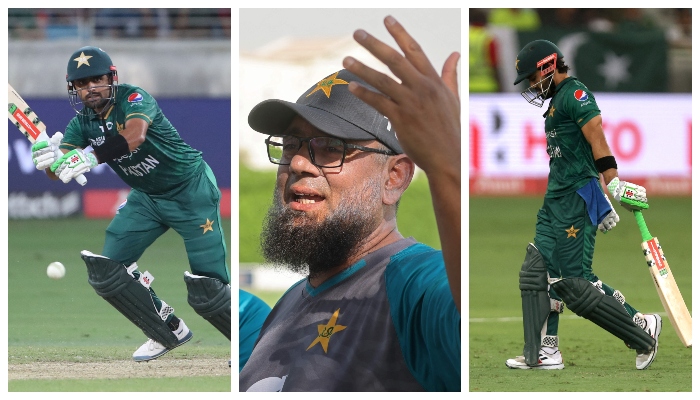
(571, 164)
(162, 162)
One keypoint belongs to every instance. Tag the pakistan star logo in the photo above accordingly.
(326, 331)
(327, 84)
(571, 232)
(82, 59)
(207, 226)
(551, 111)
(516, 64)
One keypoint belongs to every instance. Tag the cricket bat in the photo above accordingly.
(26, 120)
(665, 283)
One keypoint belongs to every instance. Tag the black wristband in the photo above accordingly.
(113, 147)
(605, 163)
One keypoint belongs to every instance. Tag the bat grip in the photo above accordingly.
(81, 179)
(642, 225)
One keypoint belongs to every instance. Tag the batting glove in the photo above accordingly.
(72, 164)
(44, 152)
(632, 197)
(610, 220)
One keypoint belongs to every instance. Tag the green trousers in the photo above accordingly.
(192, 210)
(565, 236)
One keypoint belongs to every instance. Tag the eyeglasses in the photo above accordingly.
(324, 151)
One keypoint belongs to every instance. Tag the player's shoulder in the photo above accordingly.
(129, 92)
(416, 260)
(417, 251)
(578, 89)
(574, 94)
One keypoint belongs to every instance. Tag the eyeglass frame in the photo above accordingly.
(346, 146)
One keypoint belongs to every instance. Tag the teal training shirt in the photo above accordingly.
(162, 162)
(571, 164)
(252, 312)
(387, 323)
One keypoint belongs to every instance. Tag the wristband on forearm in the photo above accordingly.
(605, 163)
(113, 147)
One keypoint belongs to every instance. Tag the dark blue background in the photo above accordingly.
(203, 123)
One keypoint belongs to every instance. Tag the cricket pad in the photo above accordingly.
(536, 304)
(211, 299)
(586, 301)
(113, 283)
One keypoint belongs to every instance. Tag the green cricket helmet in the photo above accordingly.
(87, 62)
(537, 55)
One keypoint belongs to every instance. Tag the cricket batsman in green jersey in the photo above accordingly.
(557, 268)
(171, 187)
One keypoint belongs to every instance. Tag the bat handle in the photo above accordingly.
(642, 225)
(81, 179)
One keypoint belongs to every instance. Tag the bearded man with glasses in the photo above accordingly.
(378, 311)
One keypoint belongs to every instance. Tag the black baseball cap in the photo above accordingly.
(329, 106)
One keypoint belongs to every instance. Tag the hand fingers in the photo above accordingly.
(385, 84)
(378, 101)
(396, 62)
(389, 88)
(411, 49)
(449, 73)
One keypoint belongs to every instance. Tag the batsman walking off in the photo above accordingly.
(557, 268)
(171, 187)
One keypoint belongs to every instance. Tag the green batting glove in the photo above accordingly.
(72, 164)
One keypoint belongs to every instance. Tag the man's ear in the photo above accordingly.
(399, 174)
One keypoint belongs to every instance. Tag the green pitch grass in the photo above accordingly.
(65, 320)
(596, 361)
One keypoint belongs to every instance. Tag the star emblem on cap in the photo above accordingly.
(326, 84)
(551, 111)
(82, 59)
(516, 64)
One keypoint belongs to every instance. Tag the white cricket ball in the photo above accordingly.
(56, 270)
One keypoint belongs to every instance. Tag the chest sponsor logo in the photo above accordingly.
(581, 95)
(98, 141)
(135, 97)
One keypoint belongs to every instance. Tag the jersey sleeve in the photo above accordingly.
(73, 136)
(425, 317)
(137, 103)
(581, 105)
(252, 312)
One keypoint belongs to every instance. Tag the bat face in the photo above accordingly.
(670, 296)
(23, 116)
(26, 120)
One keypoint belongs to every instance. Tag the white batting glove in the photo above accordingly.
(72, 164)
(610, 220)
(632, 197)
(44, 152)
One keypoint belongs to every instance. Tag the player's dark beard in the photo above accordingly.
(311, 247)
(99, 105)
